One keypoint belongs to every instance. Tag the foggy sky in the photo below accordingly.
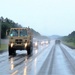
(48, 17)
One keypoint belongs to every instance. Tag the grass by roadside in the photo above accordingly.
(70, 44)
(3, 47)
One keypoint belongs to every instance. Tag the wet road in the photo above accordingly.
(52, 59)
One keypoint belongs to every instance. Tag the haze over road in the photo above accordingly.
(48, 17)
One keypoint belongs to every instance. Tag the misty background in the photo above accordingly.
(48, 17)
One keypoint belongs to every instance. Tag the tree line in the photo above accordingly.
(70, 37)
(7, 24)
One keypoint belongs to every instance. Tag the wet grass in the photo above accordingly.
(3, 47)
(70, 44)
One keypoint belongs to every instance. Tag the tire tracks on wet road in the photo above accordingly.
(46, 68)
(69, 58)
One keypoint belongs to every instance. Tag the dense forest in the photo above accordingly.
(70, 37)
(7, 24)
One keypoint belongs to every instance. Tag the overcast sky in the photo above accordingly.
(49, 17)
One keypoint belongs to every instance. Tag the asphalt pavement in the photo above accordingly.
(51, 59)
